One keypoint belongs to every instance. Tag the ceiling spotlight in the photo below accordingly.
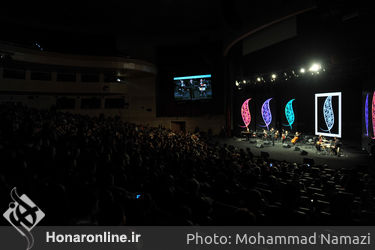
(302, 70)
(315, 67)
(259, 79)
(273, 76)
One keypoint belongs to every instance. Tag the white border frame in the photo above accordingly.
(316, 114)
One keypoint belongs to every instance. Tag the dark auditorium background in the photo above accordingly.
(90, 127)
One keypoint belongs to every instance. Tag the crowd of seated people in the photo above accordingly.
(84, 170)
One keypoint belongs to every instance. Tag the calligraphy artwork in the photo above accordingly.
(266, 113)
(329, 116)
(245, 112)
(366, 114)
(289, 113)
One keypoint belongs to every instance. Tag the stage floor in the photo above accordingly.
(352, 156)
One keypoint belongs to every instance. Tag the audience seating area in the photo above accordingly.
(84, 170)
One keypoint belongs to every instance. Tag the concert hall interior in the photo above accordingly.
(209, 113)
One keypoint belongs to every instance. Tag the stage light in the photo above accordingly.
(118, 79)
(273, 76)
(237, 83)
(315, 67)
(244, 81)
(302, 70)
(259, 79)
(245, 112)
(38, 45)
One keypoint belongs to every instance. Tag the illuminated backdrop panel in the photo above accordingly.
(289, 113)
(328, 114)
(373, 115)
(245, 112)
(266, 113)
(366, 115)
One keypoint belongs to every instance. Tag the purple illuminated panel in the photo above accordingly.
(266, 113)
(366, 115)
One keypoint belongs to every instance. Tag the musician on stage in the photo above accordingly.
(273, 136)
(296, 138)
(265, 134)
(319, 143)
(336, 146)
(284, 135)
(277, 135)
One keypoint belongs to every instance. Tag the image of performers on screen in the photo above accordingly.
(202, 88)
(181, 89)
(193, 89)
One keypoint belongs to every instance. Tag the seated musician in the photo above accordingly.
(265, 134)
(277, 135)
(319, 142)
(284, 135)
(246, 133)
(296, 137)
(254, 134)
(336, 147)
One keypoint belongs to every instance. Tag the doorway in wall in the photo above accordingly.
(178, 126)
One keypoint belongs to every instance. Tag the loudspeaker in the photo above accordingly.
(264, 154)
(308, 161)
(303, 152)
(259, 145)
(285, 145)
(296, 149)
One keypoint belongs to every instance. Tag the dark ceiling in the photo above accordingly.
(93, 27)
(116, 16)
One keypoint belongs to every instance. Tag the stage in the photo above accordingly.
(352, 156)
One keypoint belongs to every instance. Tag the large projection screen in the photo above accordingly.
(328, 114)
